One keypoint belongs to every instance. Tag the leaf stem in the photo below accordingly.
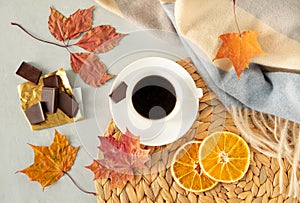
(41, 40)
(68, 50)
(80, 188)
(235, 18)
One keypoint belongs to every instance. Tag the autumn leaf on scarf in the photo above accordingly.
(51, 162)
(239, 49)
(96, 40)
(100, 39)
(121, 159)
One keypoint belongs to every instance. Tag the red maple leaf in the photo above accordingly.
(121, 159)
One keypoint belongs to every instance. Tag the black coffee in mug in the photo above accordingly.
(154, 97)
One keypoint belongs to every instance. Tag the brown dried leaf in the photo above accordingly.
(79, 22)
(100, 39)
(56, 24)
(90, 68)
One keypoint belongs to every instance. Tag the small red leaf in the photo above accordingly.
(90, 68)
(56, 24)
(100, 39)
(79, 22)
(104, 78)
(77, 59)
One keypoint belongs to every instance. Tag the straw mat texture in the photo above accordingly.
(155, 182)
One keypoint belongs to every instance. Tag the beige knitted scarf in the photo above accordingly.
(197, 21)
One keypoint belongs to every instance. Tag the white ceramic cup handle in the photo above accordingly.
(199, 93)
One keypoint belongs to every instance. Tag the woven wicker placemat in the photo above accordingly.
(155, 183)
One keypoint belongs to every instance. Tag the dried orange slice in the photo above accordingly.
(186, 170)
(224, 157)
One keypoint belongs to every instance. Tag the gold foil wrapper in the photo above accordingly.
(31, 93)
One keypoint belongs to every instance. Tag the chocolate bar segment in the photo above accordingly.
(35, 114)
(52, 81)
(50, 97)
(67, 104)
(29, 72)
(119, 93)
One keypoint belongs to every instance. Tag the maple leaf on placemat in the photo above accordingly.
(91, 70)
(239, 49)
(100, 39)
(118, 176)
(121, 159)
(51, 162)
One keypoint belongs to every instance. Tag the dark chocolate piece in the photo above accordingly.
(35, 114)
(50, 97)
(29, 72)
(51, 81)
(67, 104)
(119, 93)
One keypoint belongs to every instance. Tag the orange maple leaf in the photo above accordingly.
(51, 162)
(239, 49)
(120, 160)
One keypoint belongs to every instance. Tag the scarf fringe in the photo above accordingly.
(277, 138)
